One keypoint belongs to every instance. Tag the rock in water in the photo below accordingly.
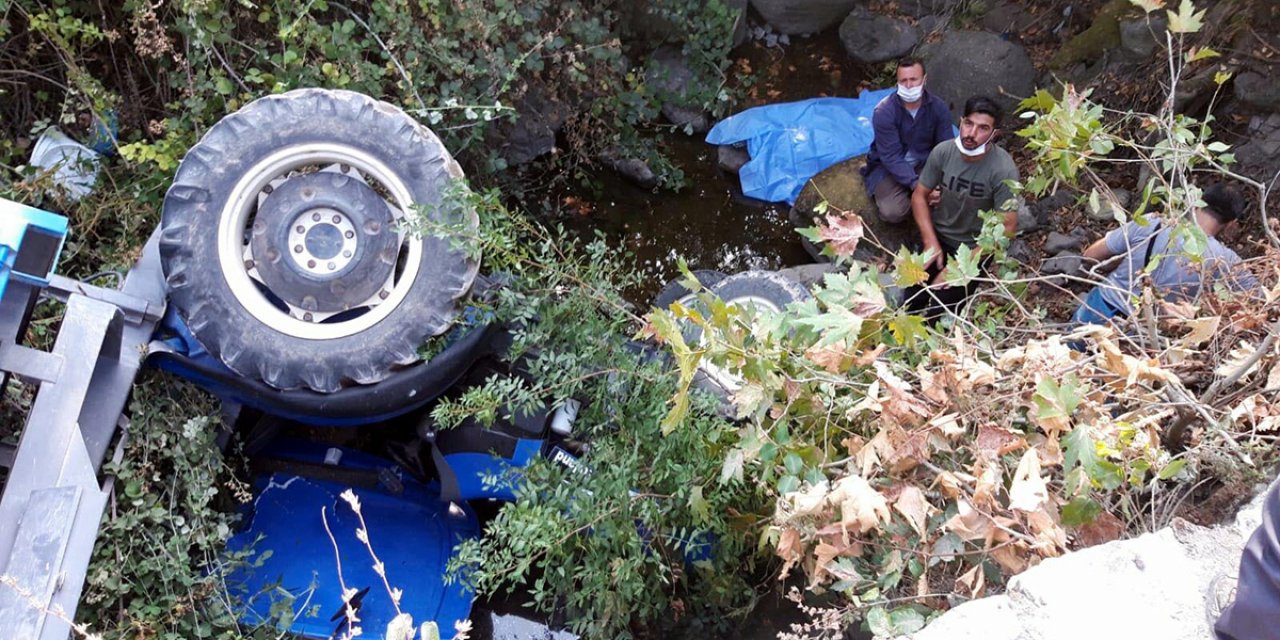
(670, 77)
(842, 188)
(731, 157)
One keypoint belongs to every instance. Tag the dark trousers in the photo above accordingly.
(893, 201)
(932, 302)
(1255, 614)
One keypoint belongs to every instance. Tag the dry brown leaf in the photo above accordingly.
(931, 385)
(913, 506)
(1202, 330)
(1180, 311)
(1049, 535)
(1050, 451)
(868, 457)
(1104, 528)
(946, 423)
(792, 389)
(862, 508)
(971, 583)
(1013, 557)
(1130, 368)
(994, 441)
(1236, 359)
(853, 444)
(989, 478)
(833, 358)
(909, 449)
(812, 501)
(1029, 491)
(974, 373)
(868, 356)
(842, 232)
(789, 549)
(950, 484)
(969, 523)
(823, 554)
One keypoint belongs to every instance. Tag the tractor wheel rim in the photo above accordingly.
(235, 258)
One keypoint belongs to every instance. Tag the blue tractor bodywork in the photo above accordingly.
(298, 513)
(414, 521)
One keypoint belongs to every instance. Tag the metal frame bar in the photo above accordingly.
(53, 499)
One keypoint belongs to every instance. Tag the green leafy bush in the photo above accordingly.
(647, 532)
(158, 567)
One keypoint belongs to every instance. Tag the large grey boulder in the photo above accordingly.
(1260, 154)
(1154, 586)
(540, 115)
(920, 8)
(1057, 243)
(964, 63)
(872, 38)
(843, 190)
(1143, 36)
(1257, 91)
(803, 16)
(668, 74)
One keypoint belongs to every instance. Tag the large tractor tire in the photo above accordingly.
(287, 242)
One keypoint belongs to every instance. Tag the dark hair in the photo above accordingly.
(983, 104)
(911, 61)
(1223, 203)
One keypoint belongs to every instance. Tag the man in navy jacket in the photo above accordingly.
(908, 125)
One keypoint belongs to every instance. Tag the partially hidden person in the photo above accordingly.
(974, 175)
(1255, 612)
(1131, 247)
(907, 125)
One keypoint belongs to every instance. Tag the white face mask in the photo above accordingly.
(971, 153)
(910, 94)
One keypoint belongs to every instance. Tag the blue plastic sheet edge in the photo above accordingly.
(791, 142)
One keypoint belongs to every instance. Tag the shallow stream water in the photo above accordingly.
(709, 223)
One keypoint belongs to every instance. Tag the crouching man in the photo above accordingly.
(974, 175)
(907, 124)
(1175, 277)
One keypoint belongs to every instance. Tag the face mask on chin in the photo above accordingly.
(971, 153)
(910, 94)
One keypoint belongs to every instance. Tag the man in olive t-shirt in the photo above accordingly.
(973, 174)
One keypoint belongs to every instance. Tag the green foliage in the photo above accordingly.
(159, 565)
(461, 67)
(650, 523)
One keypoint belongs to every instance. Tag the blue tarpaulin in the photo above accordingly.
(794, 141)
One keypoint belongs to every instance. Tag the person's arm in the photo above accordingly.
(891, 147)
(924, 221)
(1106, 250)
(942, 130)
(1098, 251)
(1239, 278)
(1006, 201)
